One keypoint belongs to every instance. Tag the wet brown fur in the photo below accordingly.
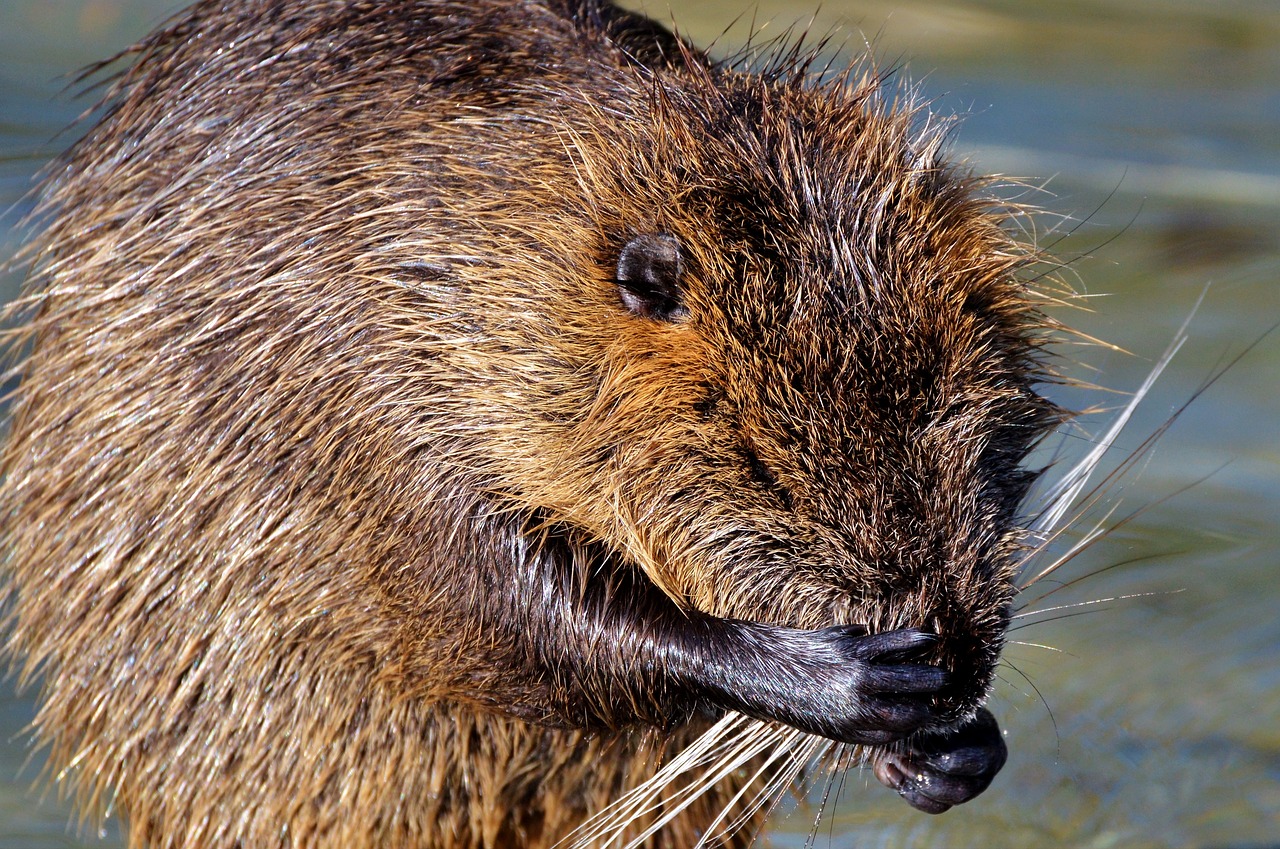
(327, 373)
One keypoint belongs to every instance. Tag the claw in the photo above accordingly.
(903, 642)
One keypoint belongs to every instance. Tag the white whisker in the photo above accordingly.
(841, 760)
(1100, 529)
(1054, 649)
(1093, 602)
(724, 749)
(725, 742)
(797, 752)
(1063, 494)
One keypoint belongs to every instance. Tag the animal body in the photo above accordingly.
(433, 416)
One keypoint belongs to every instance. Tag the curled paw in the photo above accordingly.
(934, 771)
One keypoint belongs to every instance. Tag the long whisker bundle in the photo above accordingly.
(775, 753)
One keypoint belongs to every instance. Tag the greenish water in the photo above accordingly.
(1149, 721)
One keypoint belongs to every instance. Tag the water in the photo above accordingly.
(1150, 721)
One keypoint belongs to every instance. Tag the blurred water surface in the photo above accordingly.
(1155, 126)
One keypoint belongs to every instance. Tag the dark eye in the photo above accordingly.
(649, 270)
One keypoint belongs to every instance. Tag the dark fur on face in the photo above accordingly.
(437, 411)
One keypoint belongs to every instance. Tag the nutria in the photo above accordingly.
(435, 415)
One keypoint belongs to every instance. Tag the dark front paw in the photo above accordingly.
(882, 695)
(936, 770)
(836, 682)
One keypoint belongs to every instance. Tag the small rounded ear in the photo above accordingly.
(649, 270)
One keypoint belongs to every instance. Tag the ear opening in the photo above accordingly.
(648, 277)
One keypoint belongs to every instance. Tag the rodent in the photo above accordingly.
(432, 414)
